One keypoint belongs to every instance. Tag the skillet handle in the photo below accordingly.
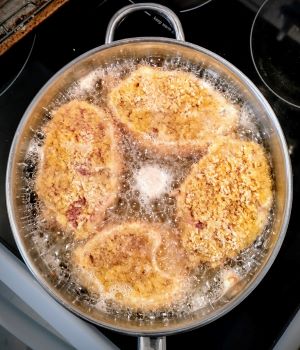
(161, 10)
(152, 343)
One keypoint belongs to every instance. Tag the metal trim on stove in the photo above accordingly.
(78, 333)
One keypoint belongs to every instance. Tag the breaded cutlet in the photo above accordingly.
(78, 173)
(137, 265)
(171, 111)
(224, 202)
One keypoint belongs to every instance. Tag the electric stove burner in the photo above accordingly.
(189, 5)
(275, 48)
(180, 5)
(20, 56)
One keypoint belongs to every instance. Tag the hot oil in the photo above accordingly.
(52, 248)
(138, 199)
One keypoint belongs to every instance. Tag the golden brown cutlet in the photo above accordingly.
(172, 111)
(78, 174)
(224, 202)
(137, 265)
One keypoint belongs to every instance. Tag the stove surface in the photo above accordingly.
(220, 26)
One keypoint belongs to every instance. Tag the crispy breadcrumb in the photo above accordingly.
(77, 178)
(224, 202)
(173, 111)
(137, 265)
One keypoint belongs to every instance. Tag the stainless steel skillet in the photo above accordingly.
(20, 202)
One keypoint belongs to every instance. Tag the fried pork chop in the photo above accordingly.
(172, 111)
(137, 265)
(78, 175)
(224, 203)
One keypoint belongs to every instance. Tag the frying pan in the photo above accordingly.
(21, 200)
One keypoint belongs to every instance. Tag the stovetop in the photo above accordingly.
(220, 26)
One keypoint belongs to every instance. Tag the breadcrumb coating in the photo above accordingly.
(138, 265)
(224, 203)
(173, 111)
(77, 178)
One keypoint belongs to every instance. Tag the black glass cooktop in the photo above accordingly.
(220, 26)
